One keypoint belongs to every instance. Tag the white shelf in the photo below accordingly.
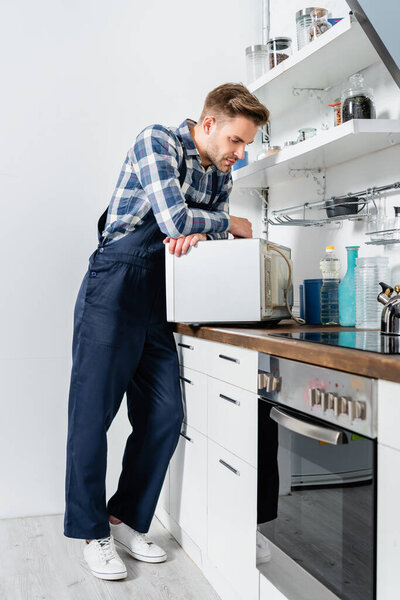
(331, 147)
(339, 52)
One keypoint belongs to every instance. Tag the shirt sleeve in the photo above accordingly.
(222, 205)
(155, 158)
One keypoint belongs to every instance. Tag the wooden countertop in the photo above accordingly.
(360, 362)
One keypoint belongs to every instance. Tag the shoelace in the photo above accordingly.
(142, 537)
(106, 547)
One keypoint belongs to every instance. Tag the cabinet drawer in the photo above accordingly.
(232, 519)
(194, 398)
(191, 352)
(188, 485)
(232, 419)
(233, 364)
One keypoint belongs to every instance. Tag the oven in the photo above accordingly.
(317, 476)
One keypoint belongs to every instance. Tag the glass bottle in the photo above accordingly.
(357, 100)
(330, 267)
(319, 23)
(369, 272)
(347, 290)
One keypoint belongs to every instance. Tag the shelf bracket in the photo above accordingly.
(311, 93)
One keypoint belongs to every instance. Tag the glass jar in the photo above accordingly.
(256, 61)
(357, 100)
(337, 112)
(319, 23)
(279, 48)
(368, 273)
(303, 22)
(305, 133)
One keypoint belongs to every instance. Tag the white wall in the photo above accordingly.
(375, 169)
(79, 81)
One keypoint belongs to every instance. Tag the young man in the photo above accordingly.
(173, 188)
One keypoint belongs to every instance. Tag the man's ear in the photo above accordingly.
(208, 124)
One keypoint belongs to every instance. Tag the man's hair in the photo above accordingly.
(233, 100)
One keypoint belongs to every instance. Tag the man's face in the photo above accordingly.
(227, 140)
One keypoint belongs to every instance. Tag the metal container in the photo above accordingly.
(303, 22)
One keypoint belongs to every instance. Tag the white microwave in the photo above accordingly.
(228, 281)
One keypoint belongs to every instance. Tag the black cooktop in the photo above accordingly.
(371, 341)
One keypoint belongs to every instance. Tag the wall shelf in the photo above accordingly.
(328, 148)
(339, 52)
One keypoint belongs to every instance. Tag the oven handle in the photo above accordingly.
(316, 432)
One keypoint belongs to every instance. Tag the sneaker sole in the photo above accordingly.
(152, 559)
(110, 576)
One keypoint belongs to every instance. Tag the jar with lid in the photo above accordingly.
(279, 48)
(319, 23)
(357, 100)
(303, 22)
(256, 61)
(305, 133)
(337, 112)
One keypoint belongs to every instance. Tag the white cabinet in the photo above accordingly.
(388, 551)
(233, 364)
(194, 398)
(389, 413)
(232, 516)
(388, 537)
(232, 419)
(191, 351)
(188, 485)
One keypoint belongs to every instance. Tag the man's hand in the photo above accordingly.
(240, 228)
(181, 245)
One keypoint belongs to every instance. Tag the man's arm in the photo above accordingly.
(155, 160)
(223, 206)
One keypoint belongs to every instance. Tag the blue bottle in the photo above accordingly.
(347, 290)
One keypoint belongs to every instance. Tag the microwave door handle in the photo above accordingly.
(316, 432)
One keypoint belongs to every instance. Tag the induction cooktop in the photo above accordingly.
(371, 341)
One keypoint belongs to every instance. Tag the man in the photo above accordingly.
(173, 189)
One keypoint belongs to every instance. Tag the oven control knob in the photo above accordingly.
(328, 401)
(357, 410)
(342, 406)
(315, 396)
(269, 382)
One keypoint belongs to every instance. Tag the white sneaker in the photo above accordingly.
(103, 559)
(263, 549)
(136, 544)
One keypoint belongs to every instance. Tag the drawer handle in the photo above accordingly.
(230, 399)
(186, 346)
(236, 360)
(186, 437)
(229, 467)
(186, 380)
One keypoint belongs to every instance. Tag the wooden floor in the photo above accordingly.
(37, 562)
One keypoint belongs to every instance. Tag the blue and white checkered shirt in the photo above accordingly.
(149, 180)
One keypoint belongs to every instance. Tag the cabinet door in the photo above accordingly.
(232, 419)
(235, 365)
(194, 398)
(232, 519)
(389, 413)
(191, 351)
(388, 551)
(188, 485)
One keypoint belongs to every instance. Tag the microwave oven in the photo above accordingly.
(240, 280)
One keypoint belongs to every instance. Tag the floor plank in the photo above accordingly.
(39, 563)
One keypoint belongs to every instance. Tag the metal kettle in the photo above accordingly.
(390, 322)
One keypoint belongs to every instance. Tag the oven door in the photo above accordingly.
(316, 507)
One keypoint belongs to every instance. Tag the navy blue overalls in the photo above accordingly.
(122, 343)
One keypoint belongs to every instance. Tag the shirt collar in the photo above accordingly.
(188, 142)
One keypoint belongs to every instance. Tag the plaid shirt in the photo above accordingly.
(149, 180)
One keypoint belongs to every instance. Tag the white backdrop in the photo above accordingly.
(79, 81)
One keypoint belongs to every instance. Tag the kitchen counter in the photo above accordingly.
(359, 362)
